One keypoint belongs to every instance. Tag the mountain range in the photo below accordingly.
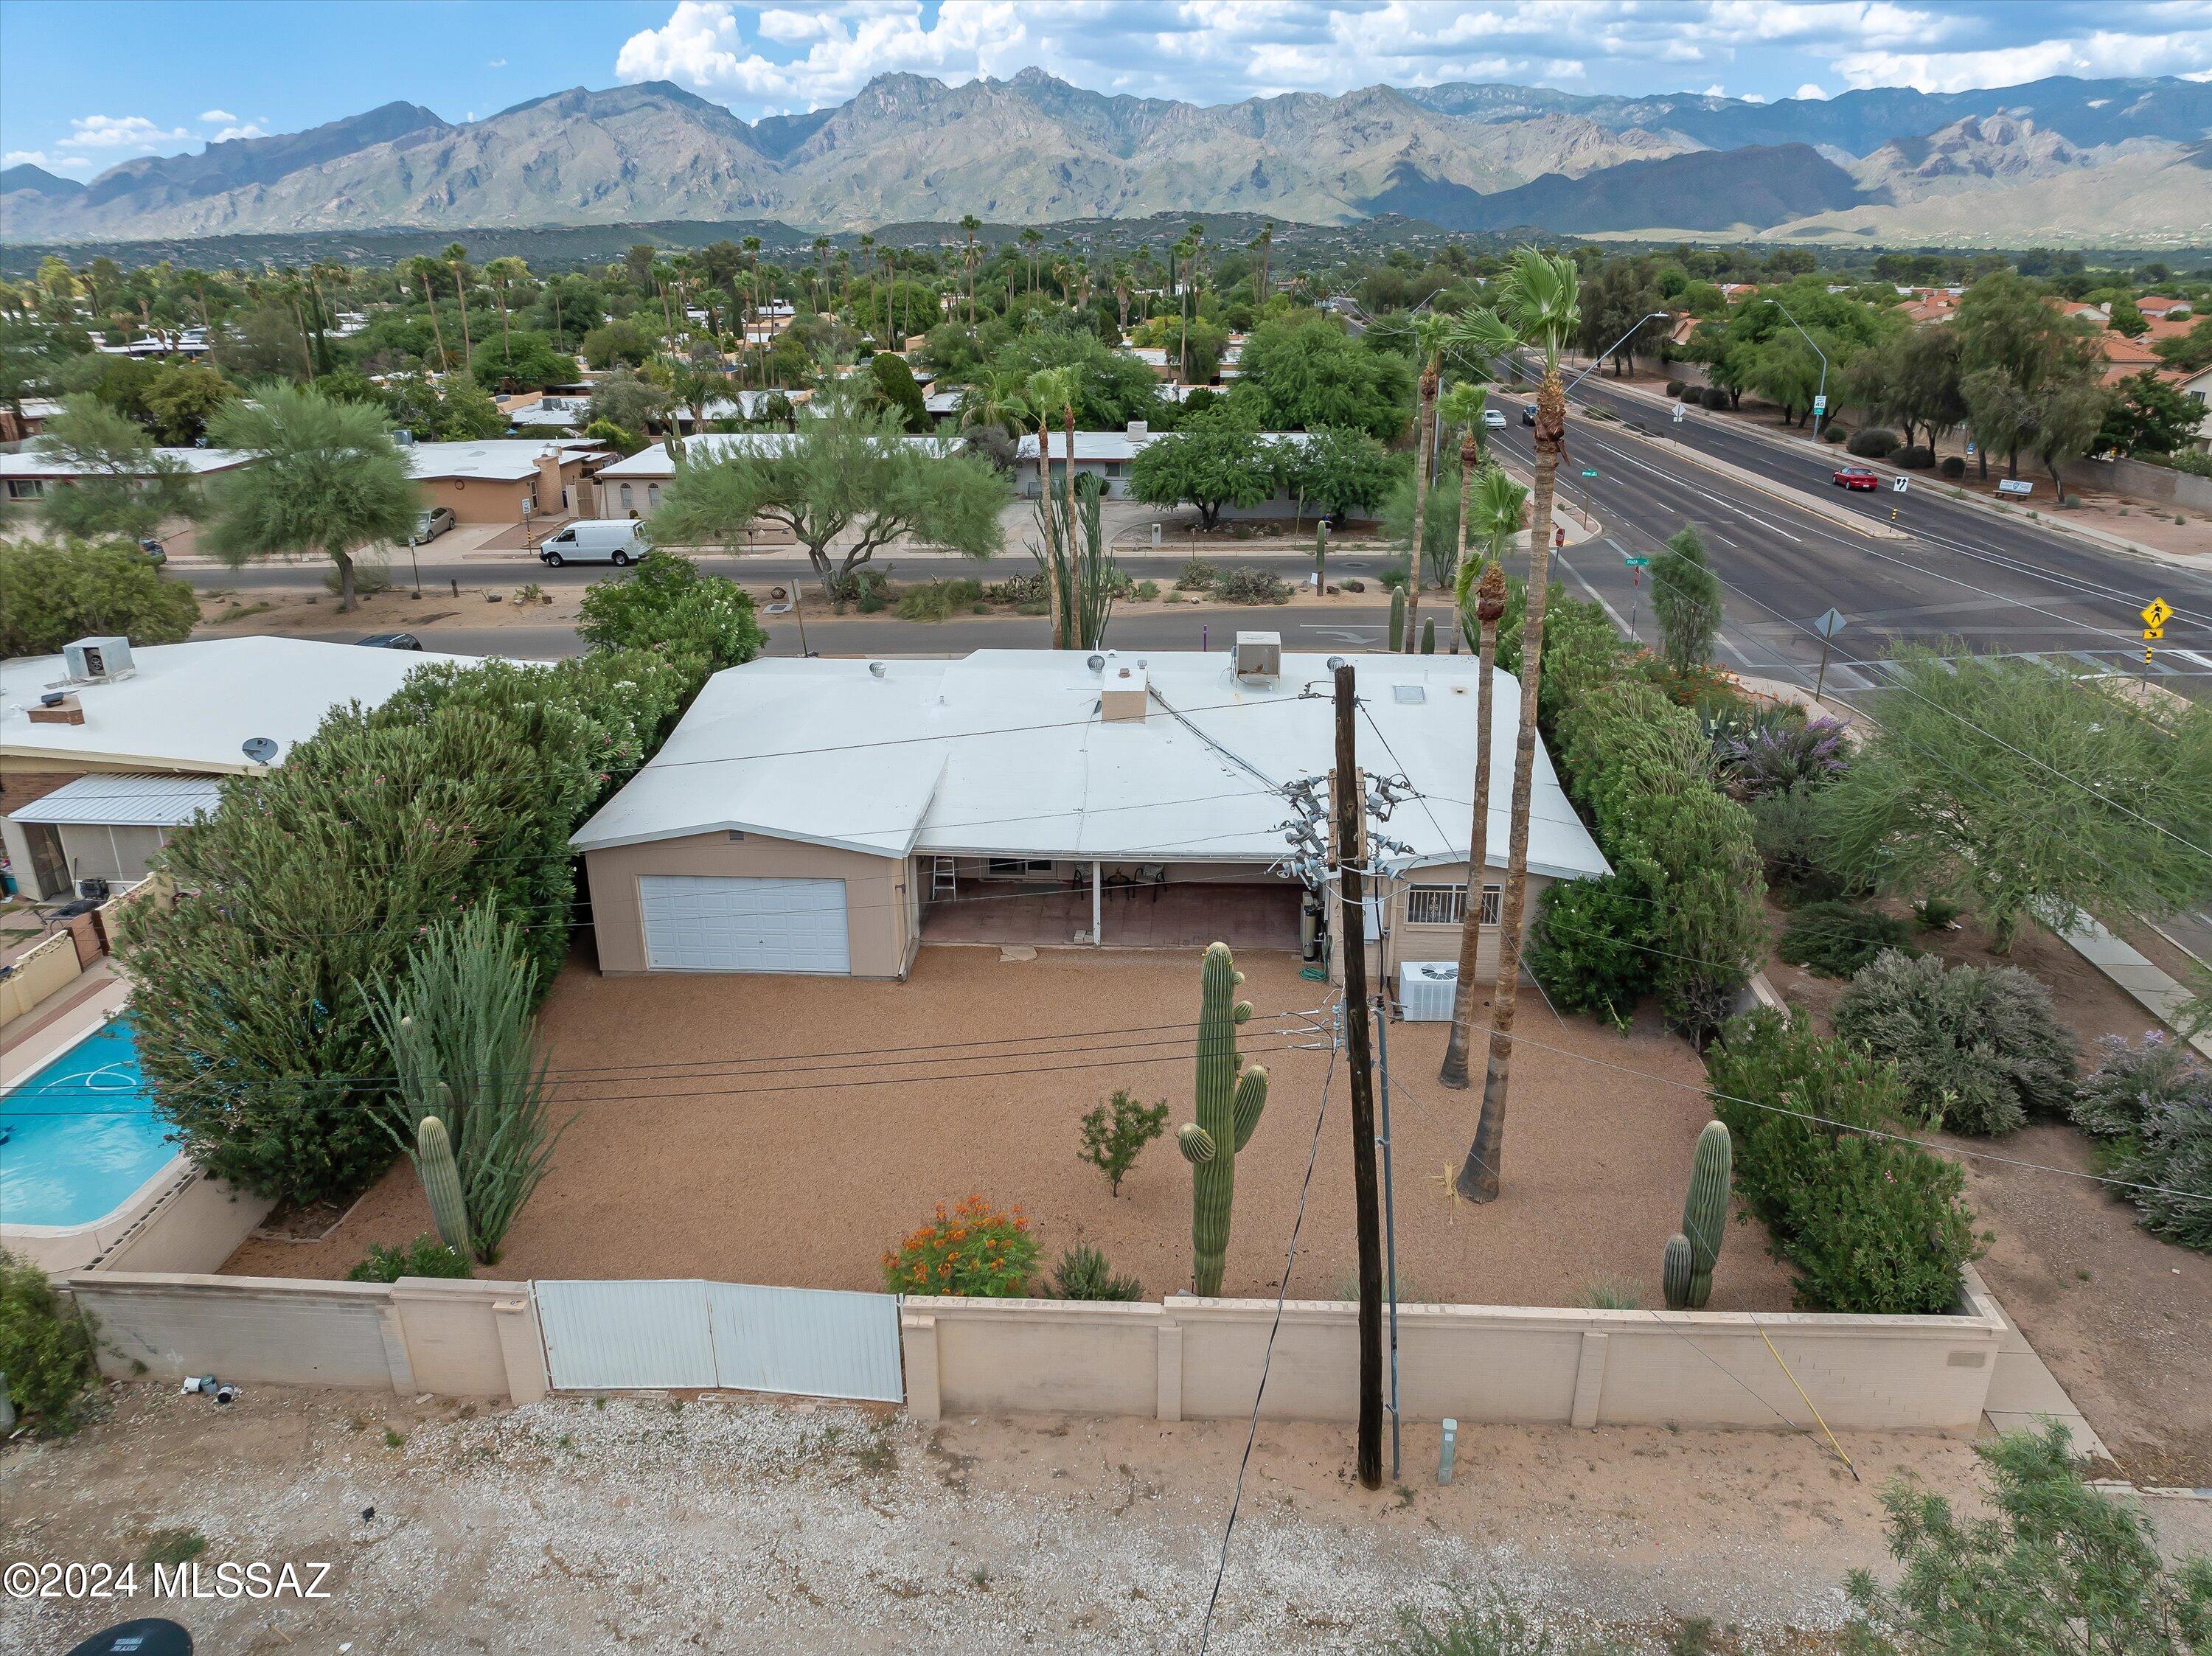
(2061, 159)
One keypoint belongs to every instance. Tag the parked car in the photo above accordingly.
(429, 524)
(1857, 478)
(618, 541)
(1493, 419)
(391, 642)
(154, 550)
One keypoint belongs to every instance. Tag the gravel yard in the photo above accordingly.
(743, 1525)
(705, 1158)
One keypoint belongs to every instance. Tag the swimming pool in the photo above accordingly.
(80, 1137)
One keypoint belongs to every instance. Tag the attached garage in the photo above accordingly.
(737, 923)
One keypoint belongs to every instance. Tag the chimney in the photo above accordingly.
(550, 497)
(1140, 428)
(1123, 698)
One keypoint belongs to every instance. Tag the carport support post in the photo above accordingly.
(1095, 939)
(1345, 797)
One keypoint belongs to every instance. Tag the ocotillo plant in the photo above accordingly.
(441, 1183)
(1229, 1106)
(1693, 1250)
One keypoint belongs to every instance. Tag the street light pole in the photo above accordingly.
(1820, 397)
(1598, 361)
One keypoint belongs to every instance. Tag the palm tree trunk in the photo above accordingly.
(1044, 489)
(439, 333)
(461, 296)
(1490, 604)
(1479, 1174)
(1429, 377)
(1069, 630)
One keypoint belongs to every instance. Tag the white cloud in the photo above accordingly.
(217, 118)
(701, 46)
(123, 132)
(248, 129)
(1810, 89)
(2092, 56)
(496, 63)
(67, 166)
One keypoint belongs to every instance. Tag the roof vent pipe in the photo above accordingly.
(875, 669)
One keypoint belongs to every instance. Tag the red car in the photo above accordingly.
(1857, 477)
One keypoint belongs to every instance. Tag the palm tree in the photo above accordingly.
(503, 273)
(326, 477)
(1050, 389)
(1535, 305)
(457, 257)
(1434, 333)
(1462, 406)
(1263, 244)
(970, 224)
(1032, 238)
(1496, 504)
(420, 267)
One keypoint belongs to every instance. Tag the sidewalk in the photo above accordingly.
(2148, 983)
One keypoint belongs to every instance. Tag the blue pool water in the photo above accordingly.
(80, 1135)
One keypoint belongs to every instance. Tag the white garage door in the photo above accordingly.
(727, 923)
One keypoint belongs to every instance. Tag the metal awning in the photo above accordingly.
(124, 800)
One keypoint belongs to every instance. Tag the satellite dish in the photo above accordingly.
(1335, 662)
(259, 749)
(1095, 664)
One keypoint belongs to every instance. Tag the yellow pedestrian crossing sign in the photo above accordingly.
(2157, 613)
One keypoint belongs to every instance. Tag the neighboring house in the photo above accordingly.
(492, 481)
(631, 487)
(20, 428)
(1109, 455)
(2123, 357)
(2157, 307)
(27, 477)
(1935, 305)
(91, 787)
(2198, 387)
(1154, 357)
(827, 816)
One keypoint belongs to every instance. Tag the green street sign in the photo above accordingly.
(1636, 563)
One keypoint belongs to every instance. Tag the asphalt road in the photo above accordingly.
(1962, 576)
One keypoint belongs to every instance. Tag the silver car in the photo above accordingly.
(428, 525)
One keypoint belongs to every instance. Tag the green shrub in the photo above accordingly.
(668, 605)
(1868, 1225)
(1952, 466)
(972, 1250)
(1837, 939)
(1716, 396)
(1792, 841)
(1915, 457)
(1979, 1048)
(52, 592)
(45, 1348)
(937, 600)
(425, 1256)
(2151, 1105)
(1197, 576)
(369, 578)
(1145, 591)
(1250, 586)
(1871, 442)
(1116, 1131)
(1084, 1274)
(1935, 913)
(1586, 948)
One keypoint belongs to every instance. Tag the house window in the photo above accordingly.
(625, 497)
(653, 497)
(1017, 868)
(26, 488)
(1115, 469)
(1446, 905)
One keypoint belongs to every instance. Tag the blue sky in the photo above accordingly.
(86, 84)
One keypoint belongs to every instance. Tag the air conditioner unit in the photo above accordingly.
(1426, 989)
(1259, 655)
(98, 658)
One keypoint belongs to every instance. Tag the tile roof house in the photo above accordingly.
(829, 816)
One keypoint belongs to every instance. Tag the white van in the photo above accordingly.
(606, 540)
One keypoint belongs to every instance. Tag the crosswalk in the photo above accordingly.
(2098, 664)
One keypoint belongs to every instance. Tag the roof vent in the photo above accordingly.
(1259, 655)
(875, 669)
(1124, 698)
(90, 659)
(1410, 694)
(1095, 664)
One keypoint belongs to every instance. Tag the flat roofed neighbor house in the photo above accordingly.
(631, 487)
(828, 816)
(28, 476)
(493, 480)
(1109, 455)
(90, 786)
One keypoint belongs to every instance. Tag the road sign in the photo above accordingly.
(1634, 562)
(1589, 471)
(1679, 411)
(1820, 404)
(1829, 624)
(2157, 613)
(1898, 485)
(1970, 450)
(2015, 486)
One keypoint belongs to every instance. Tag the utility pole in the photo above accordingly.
(1389, 1216)
(1348, 797)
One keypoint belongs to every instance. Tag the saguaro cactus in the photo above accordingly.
(1693, 1250)
(1397, 619)
(1229, 1106)
(441, 1183)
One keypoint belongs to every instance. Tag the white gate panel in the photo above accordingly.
(737, 923)
(610, 1335)
(811, 1341)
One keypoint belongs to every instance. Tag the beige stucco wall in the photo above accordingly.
(1408, 942)
(1201, 1359)
(193, 1227)
(879, 899)
(454, 1339)
(475, 500)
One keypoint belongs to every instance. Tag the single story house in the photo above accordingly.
(495, 480)
(631, 487)
(27, 476)
(20, 427)
(828, 816)
(2198, 387)
(91, 786)
(1110, 455)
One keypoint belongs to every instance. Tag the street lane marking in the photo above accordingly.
(1704, 495)
(1560, 559)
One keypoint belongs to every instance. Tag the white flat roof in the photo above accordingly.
(492, 459)
(1004, 754)
(652, 462)
(191, 706)
(199, 461)
(1119, 445)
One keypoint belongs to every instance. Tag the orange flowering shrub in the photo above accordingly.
(972, 1250)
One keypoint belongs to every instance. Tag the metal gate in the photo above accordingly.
(692, 1335)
